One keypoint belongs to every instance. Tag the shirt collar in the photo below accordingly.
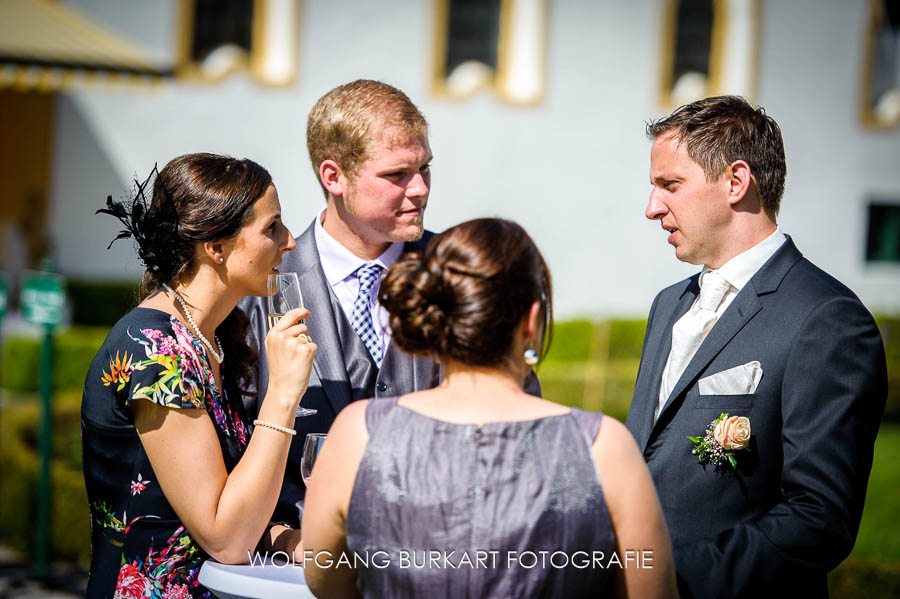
(740, 269)
(339, 263)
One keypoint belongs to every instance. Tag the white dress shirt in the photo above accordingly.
(737, 271)
(340, 265)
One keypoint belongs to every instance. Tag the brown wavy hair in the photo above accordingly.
(717, 131)
(463, 297)
(196, 198)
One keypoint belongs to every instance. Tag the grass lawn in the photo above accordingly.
(873, 568)
(879, 532)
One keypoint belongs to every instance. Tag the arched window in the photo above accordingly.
(221, 36)
(881, 88)
(491, 44)
(709, 49)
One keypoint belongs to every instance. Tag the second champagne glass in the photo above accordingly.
(311, 448)
(284, 295)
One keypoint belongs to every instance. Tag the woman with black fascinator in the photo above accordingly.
(174, 471)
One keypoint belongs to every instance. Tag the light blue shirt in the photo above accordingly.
(340, 265)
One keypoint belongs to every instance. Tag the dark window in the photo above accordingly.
(219, 23)
(881, 98)
(474, 33)
(887, 46)
(693, 37)
(883, 238)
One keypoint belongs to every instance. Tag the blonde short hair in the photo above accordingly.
(345, 121)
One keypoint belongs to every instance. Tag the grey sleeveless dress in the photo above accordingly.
(506, 509)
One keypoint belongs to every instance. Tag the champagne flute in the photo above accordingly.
(284, 295)
(311, 448)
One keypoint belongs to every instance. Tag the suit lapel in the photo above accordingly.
(328, 364)
(744, 307)
(685, 301)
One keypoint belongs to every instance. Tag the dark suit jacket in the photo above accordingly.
(791, 511)
(337, 375)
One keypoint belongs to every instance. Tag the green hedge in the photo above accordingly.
(605, 354)
(864, 577)
(70, 518)
(890, 332)
(593, 365)
(626, 339)
(73, 351)
(98, 303)
(606, 387)
(571, 341)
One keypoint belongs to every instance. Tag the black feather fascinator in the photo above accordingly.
(153, 226)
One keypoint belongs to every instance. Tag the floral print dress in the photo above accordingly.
(139, 548)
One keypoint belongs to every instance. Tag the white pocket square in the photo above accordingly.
(740, 380)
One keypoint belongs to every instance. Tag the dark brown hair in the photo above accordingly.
(463, 297)
(343, 123)
(717, 131)
(196, 198)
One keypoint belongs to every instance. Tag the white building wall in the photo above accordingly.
(572, 170)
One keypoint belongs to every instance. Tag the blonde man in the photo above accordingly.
(368, 144)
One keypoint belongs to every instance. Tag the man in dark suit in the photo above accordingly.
(369, 149)
(759, 333)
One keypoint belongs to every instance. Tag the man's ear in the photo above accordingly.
(332, 177)
(738, 178)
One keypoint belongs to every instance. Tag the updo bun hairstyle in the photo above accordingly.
(195, 198)
(463, 297)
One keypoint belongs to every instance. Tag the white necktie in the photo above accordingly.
(690, 330)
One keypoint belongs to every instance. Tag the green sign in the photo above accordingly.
(3, 295)
(43, 297)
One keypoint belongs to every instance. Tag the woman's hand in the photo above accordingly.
(290, 356)
(226, 512)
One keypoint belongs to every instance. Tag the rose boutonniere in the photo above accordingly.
(724, 436)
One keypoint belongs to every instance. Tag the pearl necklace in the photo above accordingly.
(219, 357)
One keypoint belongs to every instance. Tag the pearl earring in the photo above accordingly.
(530, 357)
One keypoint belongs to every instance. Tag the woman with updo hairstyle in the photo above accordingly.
(476, 488)
(174, 472)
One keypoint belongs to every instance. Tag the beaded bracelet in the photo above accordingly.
(279, 428)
